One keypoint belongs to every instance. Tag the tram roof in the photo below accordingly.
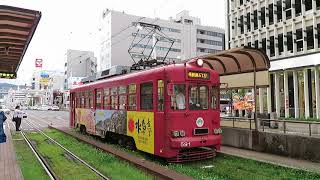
(17, 26)
(239, 63)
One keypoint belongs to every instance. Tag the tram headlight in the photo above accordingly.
(182, 133)
(200, 62)
(175, 134)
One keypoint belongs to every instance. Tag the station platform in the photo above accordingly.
(272, 159)
(9, 168)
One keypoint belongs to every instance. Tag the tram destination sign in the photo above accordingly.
(8, 75)
(198, 75)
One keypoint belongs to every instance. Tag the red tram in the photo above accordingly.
(170, 111)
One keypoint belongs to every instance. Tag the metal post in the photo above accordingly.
(233, 122)
(284, 126)
(255, 99)
(262, 125)
(309, 129)
(250, 123)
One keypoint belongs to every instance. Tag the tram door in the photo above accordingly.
(72, 109)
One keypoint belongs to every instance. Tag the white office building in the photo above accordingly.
(289, 32)
(79, 64)
(191, 39)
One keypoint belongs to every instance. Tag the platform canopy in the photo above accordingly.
(238, 66)
(17, 27)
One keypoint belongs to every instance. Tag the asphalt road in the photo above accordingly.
(43, 118)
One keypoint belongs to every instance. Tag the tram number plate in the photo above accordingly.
(185, 144)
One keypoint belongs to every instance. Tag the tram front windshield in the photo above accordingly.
(198, 97)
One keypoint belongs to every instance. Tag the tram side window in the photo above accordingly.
(82, 100)
(78, 100)
(178, 97)
(114, 98)
(214, 97)
(122, 101)
(122, 97)
(146, 99)
(89, 100)
(98, 99)
(160, 95)
(106, 98)
(132, 97)
(198, 97)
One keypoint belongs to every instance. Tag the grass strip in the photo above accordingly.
(226, 167)
(29, 165)
(63, 164)
(106, 163)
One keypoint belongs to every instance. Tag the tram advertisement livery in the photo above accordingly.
(141, 128)
(85, 117)
(111, 120)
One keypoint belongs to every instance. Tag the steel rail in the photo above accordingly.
(72, 154)
(38, 156)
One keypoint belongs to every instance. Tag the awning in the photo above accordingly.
(17, 27)
(237, 66)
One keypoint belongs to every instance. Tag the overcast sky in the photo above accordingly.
(73, 24)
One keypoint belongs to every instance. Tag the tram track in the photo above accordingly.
(148, 167)
(42, 160)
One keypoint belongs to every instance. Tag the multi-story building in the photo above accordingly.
(289, 33)
(191, 39)
(44, 85)
(79, 64)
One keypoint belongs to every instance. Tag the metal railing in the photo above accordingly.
(311, 128)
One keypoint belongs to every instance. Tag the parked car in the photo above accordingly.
(44, 108)
(55, 108)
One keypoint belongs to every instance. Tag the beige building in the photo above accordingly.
(289, 33)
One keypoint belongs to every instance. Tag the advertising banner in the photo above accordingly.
(86, 117)
(140, 126)
(38, 63)
(111, 120)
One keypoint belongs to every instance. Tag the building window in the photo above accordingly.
(288, 9)
(279, 11)
(255, 19)
(241, 24)
(318, 4)
(289, 41)
(272, 46)
(264, 45)
(248, 22)
(298, 7)
(256, 44)
(318, 34)
(270, 14)
(308, 4)
(280, 43)
(310, 40)
(263, 16)
(299, 40)
(146, 102)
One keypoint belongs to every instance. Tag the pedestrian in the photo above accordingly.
(3, 136)
(17, 116)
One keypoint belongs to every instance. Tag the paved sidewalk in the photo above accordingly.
(9, 168)
(273, 159)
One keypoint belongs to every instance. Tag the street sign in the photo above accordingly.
(38, 63)
(8, 75)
